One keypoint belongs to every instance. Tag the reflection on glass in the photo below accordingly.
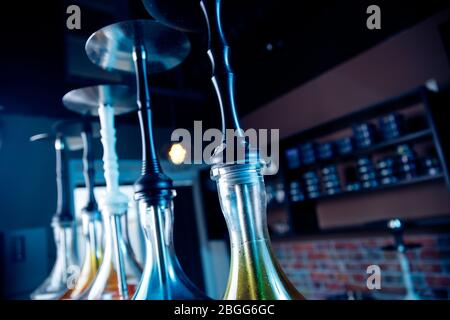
(65, 267)
(163, 278)
(254, 272)
(106, 285)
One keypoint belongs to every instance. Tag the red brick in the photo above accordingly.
(357, 287)
(425, 267)
(342, 277)
(393, 290)
(324, 245)
(359, 278)
(434, 254)
(424, 240)
(392, 278)
(389, 267)
(438, 281)
(381, 242)
(335, 286)
(369, 243)
(330, 268)
(318, 255)
(355, 256)
(328, 265)
(339, 256)
(390, 255)
(304, 265)
(425, 244)
(319, 276)
(356, 267)
(373, 255)
(304, 246)
(346, 245)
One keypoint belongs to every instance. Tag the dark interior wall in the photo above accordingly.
(402, 62)
(27, 170)
(396, 65)
(417, 201)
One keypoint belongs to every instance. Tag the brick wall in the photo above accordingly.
(323, 268)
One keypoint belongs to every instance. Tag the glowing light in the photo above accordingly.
(177, 153)
(394, 224)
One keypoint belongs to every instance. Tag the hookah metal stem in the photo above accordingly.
(121, 275)
(222, 74)
(111, 167)
(108, 138)
(153, 184)
(161, 254)
(62, 181)
(406, 271)
(63, 238)
(150, 162)
(88, 165)
(91, 207)
(98, 255)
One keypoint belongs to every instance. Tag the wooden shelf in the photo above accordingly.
(403, 183)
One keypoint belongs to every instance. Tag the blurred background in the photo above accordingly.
(362, 116)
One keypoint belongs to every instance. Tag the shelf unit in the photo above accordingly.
(435, 132)
(407, 138)
(401, 183)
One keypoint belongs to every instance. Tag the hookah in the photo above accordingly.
(397, 227)
(91, 217)
(119, 271)
(255, 273)
(142, 47)
(63, 224)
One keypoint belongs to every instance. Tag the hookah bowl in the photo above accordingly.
(142, 47)
(119, 271)
(58, 282)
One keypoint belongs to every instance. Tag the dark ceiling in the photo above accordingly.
(276, 45)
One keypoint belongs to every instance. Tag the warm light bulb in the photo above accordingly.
(177, 153)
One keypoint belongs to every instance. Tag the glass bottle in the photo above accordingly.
(119, 272)
(163, 278)
(254, 271)
(60, 278)
(91, 221)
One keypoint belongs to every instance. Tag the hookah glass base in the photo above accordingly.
(106, 285)
(58, 282)
(254, 273)
(92, 230)
(163, 278)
